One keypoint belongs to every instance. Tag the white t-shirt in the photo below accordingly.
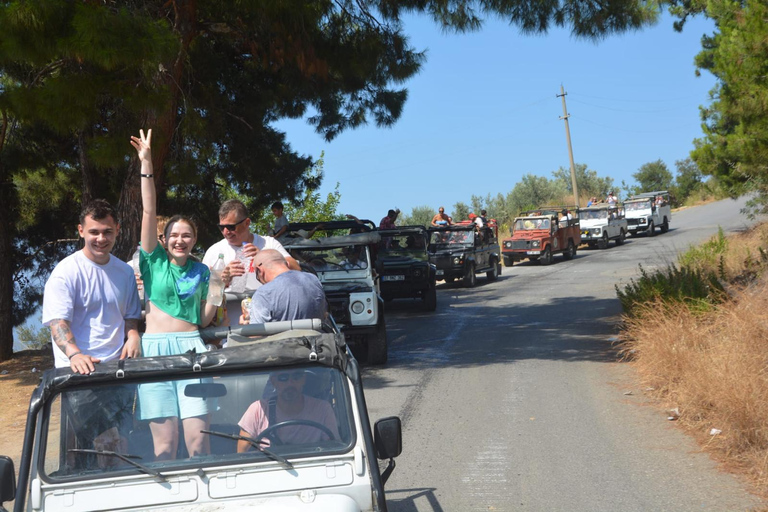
(231, 252)
(95, 300)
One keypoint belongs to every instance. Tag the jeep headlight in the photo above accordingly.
(642, 221)
(596, 231)
(458, 260)
(358, 307)
(417, 272)
(508, 245)
(536, 243)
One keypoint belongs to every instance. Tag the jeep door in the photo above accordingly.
(481, 250)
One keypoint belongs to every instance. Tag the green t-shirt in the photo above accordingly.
(176, 290)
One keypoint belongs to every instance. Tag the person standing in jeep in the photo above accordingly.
(388, 222)
(237, 245)
(91, 302)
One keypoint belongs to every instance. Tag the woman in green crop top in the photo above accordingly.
(176, 287)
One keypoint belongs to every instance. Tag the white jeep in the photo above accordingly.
(324, 457)
(645, 212)
(602, 223)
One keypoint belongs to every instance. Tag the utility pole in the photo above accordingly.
(570, 148)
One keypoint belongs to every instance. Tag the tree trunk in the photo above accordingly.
(164, 127)
(6, 266)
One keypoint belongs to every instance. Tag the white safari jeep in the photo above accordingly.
(88, 448)
(602, 223)
(648, 211)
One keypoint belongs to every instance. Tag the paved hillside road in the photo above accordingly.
(512, 399)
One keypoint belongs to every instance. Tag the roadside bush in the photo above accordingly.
(698, 290)
(712, 369)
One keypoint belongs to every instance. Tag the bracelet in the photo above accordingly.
(147, 175)
(73, 355)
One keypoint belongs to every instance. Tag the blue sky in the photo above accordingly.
(483, 112)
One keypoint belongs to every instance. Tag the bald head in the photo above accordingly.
(270, 264)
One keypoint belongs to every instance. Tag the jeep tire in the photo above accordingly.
(651, 229)
(469, 280)
(508, 261)
(622, 237)
(546, 256)
(429, 299)
(665, 226)
(570, 252)
(377, 345)
(494, 272)
(603, 242)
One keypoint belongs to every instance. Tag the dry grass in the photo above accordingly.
(713, 367)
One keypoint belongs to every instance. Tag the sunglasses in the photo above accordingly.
(231, 227)
(284, 377)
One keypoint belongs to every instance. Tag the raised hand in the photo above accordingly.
(143, 145)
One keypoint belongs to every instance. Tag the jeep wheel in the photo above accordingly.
(546, 256)
(377, 345)
(429, 299)
(651, 229)
(603, 242)
(494, 272)
(622, 237)
(570, 252)
(665, 226)
(470, 279)
(508, 261)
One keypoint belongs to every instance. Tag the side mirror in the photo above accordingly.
(388, 438)
(8, 480)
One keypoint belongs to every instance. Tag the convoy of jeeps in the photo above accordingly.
(337, 469)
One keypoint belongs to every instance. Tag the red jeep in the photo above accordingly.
(540, 234)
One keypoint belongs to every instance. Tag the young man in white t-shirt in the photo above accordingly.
(237, 246)
(91, 302)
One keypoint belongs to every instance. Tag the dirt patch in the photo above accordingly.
(23, 374)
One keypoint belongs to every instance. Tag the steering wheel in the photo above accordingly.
(271, 431)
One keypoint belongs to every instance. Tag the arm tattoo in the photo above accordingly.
(62, 335)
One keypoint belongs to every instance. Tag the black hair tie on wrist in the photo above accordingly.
(147, 175)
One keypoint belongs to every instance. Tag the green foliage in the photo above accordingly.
(589, 183)
(533, 191)
(32, 338)
(707, 255)
(698, 290)
(460, 212)
(653, 176)
(689, 178)
(419, 216)
(735, 124)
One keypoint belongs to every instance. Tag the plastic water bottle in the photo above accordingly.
(238, 283)
(137, 271)
(216, 283)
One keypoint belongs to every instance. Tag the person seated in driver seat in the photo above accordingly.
(352, 259)
(289, 403)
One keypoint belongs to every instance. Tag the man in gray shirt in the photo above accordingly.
(286, 294)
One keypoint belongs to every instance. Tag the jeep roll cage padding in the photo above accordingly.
(367, 238)
(333, 225)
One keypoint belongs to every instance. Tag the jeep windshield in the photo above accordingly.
(603, 213)
(405, 245)
(632, 206)
(267, 416)
(531, 224)
(333, 259)
(447, 238)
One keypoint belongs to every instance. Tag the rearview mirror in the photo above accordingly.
(205, 390)
(7, 480)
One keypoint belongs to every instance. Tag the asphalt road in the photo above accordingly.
(512, 398)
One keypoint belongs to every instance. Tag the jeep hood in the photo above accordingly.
(318, 502)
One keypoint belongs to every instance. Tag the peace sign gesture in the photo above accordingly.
(142, 145)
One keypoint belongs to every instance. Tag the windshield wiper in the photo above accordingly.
(253, 442)
(125, 458)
